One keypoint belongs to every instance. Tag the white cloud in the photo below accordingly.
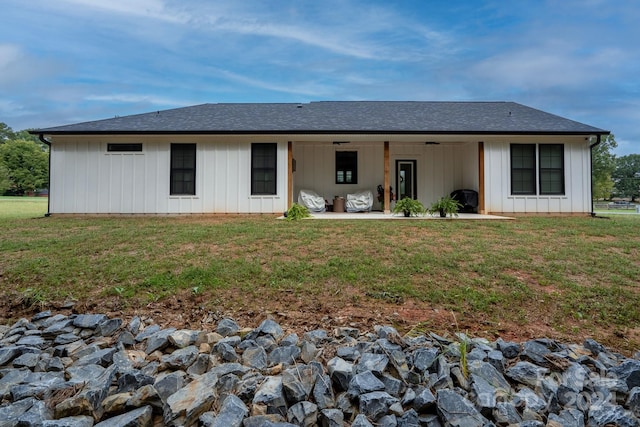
(343, 28)
(8, 54)
(133, 98)
(18, 68)
(547, 66)
(13, 64)
(155, 9)
(331, 42)
(10, 108)
(306, 88)
(233, 18)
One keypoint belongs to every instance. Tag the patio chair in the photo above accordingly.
(313, 201)
(359, 202)
(468, 200)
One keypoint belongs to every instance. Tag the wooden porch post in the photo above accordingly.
(481, 209)
(387, 196)
(289, 174)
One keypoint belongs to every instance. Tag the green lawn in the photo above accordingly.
(22, 207)
(570, 276)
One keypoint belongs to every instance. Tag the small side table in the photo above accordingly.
(338, 204)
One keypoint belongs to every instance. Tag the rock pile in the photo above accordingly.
(90, 370)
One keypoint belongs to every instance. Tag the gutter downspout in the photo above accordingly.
(591, 147)
(48, 144)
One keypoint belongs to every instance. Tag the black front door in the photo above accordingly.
(406, 179)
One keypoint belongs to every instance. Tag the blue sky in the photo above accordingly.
(67, 61)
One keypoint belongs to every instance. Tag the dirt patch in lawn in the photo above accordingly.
(327, 311)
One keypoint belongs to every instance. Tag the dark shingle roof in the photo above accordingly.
(338, 117)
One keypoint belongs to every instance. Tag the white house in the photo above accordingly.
(255, 158)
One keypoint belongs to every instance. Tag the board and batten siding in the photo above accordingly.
(86, 179)
(577, 172)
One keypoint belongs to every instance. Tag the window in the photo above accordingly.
(523, 169)
(263, 168)
(114, 148)
(183, 169)
(346, 167)
(549, 169)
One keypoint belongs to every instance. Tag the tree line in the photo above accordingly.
(24, 167)
(614, 176)
(24, 162)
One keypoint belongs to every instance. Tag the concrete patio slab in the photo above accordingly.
(382, 216)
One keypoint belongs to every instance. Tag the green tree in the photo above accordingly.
(6, 133)
(603, 166)
(5, 182)
(24, 134)
(27, 165)
(627, 176)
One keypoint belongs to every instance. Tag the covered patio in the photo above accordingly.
(400, 165)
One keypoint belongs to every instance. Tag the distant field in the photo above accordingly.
(22, 207)
(617, 211)
(616, 208)
(563, 277)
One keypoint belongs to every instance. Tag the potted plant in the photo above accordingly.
(297, 212)
(409, 207)
(392, 196)
(447, 205)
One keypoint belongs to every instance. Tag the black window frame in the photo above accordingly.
(182, 180)
(113, 147)
(546, 171)
(264, 168)
(346, 161)
(520, 171)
